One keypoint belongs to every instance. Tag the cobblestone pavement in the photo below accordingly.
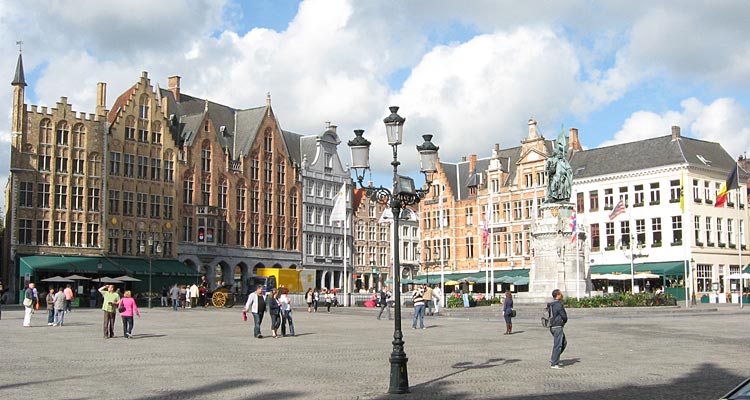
(344, 355)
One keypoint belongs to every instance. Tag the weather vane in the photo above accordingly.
(19, 43)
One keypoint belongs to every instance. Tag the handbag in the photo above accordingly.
(27, 302)
(121, 308)
(512, 313)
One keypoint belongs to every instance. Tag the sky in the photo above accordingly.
(618, 71)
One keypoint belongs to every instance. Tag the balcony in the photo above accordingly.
(711, 244)
(699, 244)
(709, 201)
(677, 200)
(722, 245)
(656, 244)
(608, 248)
(698, 201)
(638, 204)
(677, 243)
(654, 203)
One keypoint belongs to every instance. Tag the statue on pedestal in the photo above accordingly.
(559, 173)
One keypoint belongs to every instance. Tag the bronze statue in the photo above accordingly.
(559, 173)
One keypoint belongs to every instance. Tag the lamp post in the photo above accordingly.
(401, 194)
(151, 251)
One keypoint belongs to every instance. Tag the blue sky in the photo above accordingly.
(616, 70)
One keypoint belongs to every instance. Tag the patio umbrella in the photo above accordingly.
(744, 275)
(451, 282)
(57, 279)
(77, 277)
(106, 280)
(645, 276)
(126, 278)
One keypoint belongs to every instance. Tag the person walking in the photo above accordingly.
(194, 293)
(109, 302)
(437, 298)
(328, 299)
(309, 299)
(50, 299)
(257, 306)
(286, 314)
(428, 299)
(164, 296)
(508, 312)
(203, 291)
(60, 304)
(558, 319)
(316, 299)
(93, 298)
(274, 309)
(174, 295)
(127, 308)
(68, 298)
(418, 299)
(386, 301)
(29, 301)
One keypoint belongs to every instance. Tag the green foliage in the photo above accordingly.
(646, 299)
(454, 302)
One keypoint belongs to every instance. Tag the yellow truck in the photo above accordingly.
(297, 281)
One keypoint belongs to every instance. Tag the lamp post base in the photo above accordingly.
(399, 376)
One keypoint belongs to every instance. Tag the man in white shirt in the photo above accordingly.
(257, 305)
(437, 298)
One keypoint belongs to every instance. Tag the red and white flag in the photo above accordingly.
(619, 209)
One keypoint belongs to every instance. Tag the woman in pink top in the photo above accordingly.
(128, 303)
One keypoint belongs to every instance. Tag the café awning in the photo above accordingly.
(658, 268)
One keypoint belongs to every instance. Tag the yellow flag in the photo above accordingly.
(682, 192)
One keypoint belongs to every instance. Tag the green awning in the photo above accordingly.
(68, 264)
(173, 267)
(501, 276)
(659, 268)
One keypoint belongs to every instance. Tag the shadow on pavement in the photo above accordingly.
(707, 381)
(147, 336)
(44, 382)
(214, 390)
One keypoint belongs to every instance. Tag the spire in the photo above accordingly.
(19, 79)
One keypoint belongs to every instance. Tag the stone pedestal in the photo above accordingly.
(555, 255)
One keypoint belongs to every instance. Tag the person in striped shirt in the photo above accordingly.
(418, 300)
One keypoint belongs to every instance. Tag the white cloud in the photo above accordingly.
(724, 121)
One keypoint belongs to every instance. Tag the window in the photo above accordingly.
(79, 136)
(719, 237)
(268, 204)
(241, 197)
(155, 206)
(528, 180)
(517, 210)
(143, 134)
(640, 231)
(470, 247)
(206, 158)
(129, 165)
(329, 161)
(674, 191)
(281, 173)
(528, 210)
(223, 190)
(267, 171)
(518, 243)
(696, 191)
(168, 207)
(78, 162)
(187, 229)
(92, 231)
(26, 195)
(469, 215)
(127, 242)
(141, 204)
(62, 133)
(42, 232)
(114, 163)
(187, 190)
(142, 167)
(697, 230)
(156, 133)
(707, 192)
(168, 171)
(268, 141)
(594, 229)
(655, 194)
(579, 203)
(128, 199)
(708, 232)
(93, 200)
(293, 198)
(730, 234)
(61, 197)
(241, 233)
(113, 238)
(281, 205)
(45, 131)
(45, 160)
(267, 234)
(676, 230)
(703, 278)
(155, 169)
(61, 164)
(638, 195)
(608, 199)
(310, 245)
(594, 200)
(77, 192)
(143, 107)
(60, 231)
(506, 211)
(130, 127)
(624, 195)
(254, 200)
(24, 231)
(541, 178)
(625, 234)
(609, 230)
(43, 195)
(255, 169)
(76, 234)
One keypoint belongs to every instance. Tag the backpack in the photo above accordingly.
(546, 316)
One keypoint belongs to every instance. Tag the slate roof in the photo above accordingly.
(293, 145)
(651, 153)
(19, 78)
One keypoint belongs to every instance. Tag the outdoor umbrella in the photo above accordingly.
(77, 277)
(744, 275)
(451, 282)
(126, 278)
(106, 280)
(57, 279)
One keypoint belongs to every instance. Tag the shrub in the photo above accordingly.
(645, 299)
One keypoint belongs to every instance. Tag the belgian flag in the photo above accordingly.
(733, 182)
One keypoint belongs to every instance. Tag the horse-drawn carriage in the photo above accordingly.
(222, 297)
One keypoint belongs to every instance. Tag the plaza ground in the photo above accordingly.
(209, 353)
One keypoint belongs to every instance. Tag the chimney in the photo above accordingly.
(675, 132)
(573, 142)
(174, 87)
(463, 158)
(101, 98)
(533, 133)
(472, 162)
(744, 163)
(332, 128)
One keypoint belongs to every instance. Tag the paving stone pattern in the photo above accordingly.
(209, 353)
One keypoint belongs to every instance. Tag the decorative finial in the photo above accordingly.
(19, 43)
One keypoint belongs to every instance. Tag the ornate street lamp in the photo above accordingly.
(401, 194)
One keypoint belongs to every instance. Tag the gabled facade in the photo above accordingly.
(326, 245)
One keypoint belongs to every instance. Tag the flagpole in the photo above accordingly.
(685, 243)
(346, 277)
(630, 237)
(492, 246)
(442, 257)
(739, 229)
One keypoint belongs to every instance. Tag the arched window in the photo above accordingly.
(143, 107)
(45, 131)
(62, 133)
(268, 140)
(223, 190)
(206, 157)
(241, 195)
(79, 136)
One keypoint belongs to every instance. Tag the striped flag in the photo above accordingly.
(339, 207)
(619, 209)
(573, 226)
(486, 232)
(732, 182)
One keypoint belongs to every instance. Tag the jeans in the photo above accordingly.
(257, 319)
(428, 307)
(127, 325)
(163, 301)
(386, 306)
(50, 316)
(67, 305)
(286, 318)
(175, 304)
(275, 321)
(59, 316)
(559, 344)
(466, 299)
(418, 313)
(109, 324)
